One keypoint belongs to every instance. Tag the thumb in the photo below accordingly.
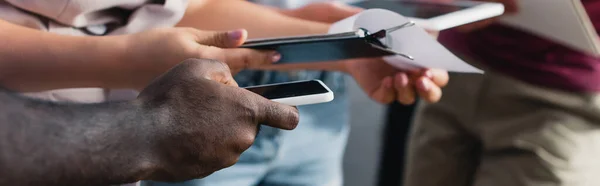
(230, 39)
(276, 114)
(511, 6)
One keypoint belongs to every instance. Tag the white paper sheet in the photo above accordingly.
(413, 41)
(564, 21)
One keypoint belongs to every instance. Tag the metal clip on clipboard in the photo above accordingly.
(331, 47)
(384, 34)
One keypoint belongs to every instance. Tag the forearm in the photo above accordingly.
(54, 144)
(260, 21)
(32, 60)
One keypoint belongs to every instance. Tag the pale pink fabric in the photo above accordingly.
(91, 17)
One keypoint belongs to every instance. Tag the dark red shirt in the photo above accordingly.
(530, 58)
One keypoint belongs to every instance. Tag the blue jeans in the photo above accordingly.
(310, 155)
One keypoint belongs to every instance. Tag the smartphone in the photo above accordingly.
(295, 93)
(438, 16)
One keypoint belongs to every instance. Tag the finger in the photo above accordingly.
(241, 58)
(276, 115)
(385, 93)
(235, 71)
(428, 91)
(433, 33)
(405, 91)
(510, 6)
(230, 39)
(437, 76)
(231, 82)
(475, 25)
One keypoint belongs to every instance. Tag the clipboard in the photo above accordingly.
(330, 47)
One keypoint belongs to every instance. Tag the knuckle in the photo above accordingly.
(246, 140)
(251, 108)
(253, 115)
(192, 64)
(188, 52)
(179, 32)
(188, 29)
(192, 171)
(199, 68)
(216, 64)
(242, 58)
(230, 161)
(268, 57)
(247, 61)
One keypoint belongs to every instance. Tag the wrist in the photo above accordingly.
(116, 53)
(127, 140)
(155, 115)
(100, 61)
(146, 122)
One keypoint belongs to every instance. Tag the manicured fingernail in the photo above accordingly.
(423, 85)
(275, 57)
(236, 34)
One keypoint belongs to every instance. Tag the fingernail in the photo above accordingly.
(423, 85)
(429, 74)
(236, 34)
(403, 79)
(275, 57)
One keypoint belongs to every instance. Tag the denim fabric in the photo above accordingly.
(311, 155)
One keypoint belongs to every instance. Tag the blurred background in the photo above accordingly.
(375, 151)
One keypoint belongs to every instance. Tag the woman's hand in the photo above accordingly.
(151, 53)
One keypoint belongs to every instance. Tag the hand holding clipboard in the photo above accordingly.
(330, 47)
(401, 44)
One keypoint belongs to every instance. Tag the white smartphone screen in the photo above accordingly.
(423, 10)
(286, 90)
